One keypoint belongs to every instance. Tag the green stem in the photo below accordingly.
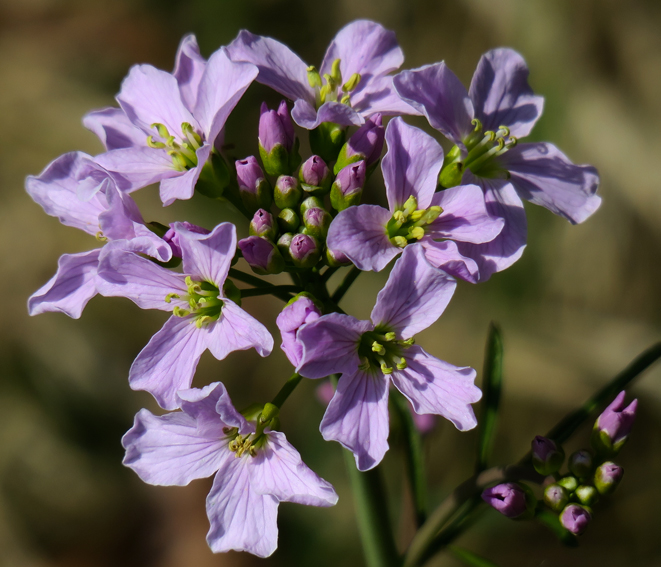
(372, 515)
(247, 278)
(328, 273)
(345, 285)
(287, 388)
(415, 465)
(281, 291)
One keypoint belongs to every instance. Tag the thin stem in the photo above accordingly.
(345, 285)
(287, 388)
(280, 291)
(328, 273)
(247, 278)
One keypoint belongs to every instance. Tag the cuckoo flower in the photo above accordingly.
(485, 124)
(82, 194)
(369, 354)
(297, 312)
(168, 123)
(202, 315)
(372, 236)
(351, 85)
(256, 468)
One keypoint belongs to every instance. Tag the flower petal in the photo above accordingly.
(379, 95)
(357, 417)
(207, 256)
(437, 387)
(411, 165)
(501, 94)
(236, 330)
(306, 116)
(188, 69)
(203, 403)
(445, 255)
(141, 166)
(182, 186)
(414, 296)
(114, 128)
(360, 234)
(72, 286)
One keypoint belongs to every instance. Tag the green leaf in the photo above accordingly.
(470, 558)
(492, 381)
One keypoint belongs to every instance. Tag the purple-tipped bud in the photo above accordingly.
(366, 144)
(316, 222)
(254, 188)
(575, 518)
(613, 426)
(581, 464)
(262, 255)
(288, 220)
(287, 192)
(607, 477)
(311, 203)
(547, 455)
(262, 224)
(278, 146)
(304, 251)
(348, 186)
(336, 259)
(172, 237)
(556, 497)
(299, 311)
(315, 176)
(508, 498)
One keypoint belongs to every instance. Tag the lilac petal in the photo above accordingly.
(464, 217)
(149, 95)
(360, 234)
(240, 518)
(201, 404)
(414, 296)
(236, 330)
(125, 274)
(366, 48)
(120, 217)
(225, 411)
(543, 175)
(221, 88)
(278, 470)
(188, 69)
(437, 92)
(438, 387)
(411, 165)
(501, 94)
(171, 450)
(379, 95)
(207, 256)
(502, 201)
(279, 67)
(182, 186)
(55, 189)
(114, 128)
(141, 166)
(445, 255)
(306, 116)
(72, 286)
(357, 417)
(167, 364)
(330, 345)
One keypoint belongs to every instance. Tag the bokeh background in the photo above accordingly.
(579, 305)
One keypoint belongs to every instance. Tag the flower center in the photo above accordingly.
(203, 301)
(330, 87)
(483, 148)
(249, 444)
(183, 151)
(381, 350)
(408, 223)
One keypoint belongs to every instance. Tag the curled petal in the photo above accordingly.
(207, 256)
(445, 255)
(236, 330)
(188, 69)
(305, 115)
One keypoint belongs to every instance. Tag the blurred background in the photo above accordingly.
(579, 305)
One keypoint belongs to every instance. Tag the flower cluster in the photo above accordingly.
(450, 216)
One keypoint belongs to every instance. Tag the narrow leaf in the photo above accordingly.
(470, 558)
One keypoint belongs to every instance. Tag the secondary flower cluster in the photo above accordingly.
(450, 216)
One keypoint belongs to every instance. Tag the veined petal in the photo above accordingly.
(360, 234)
(437, 387)
(543, 175)
(188, 69)
(330, 345)
(464, 217)
(207, 256)
(414, 296)
(125, 274)
(306, 116)
(183, 186)
(437, 92)
(411, 165)
(279, 67)
(236, 330)
(202, 404)
(240, 518)
(172, 450)
(72, 286)
(278, 469)
(357, 417)
(141, 166)
(167, 364)
(114, 128)
(445, 255)
(501, 94)
(379, 95)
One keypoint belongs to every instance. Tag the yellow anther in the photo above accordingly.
(512, 142)
(314, 79)
(399, 216)
(161, 129)
(410, 205)
(364, 364)
(170, 296)
(324, 92)
(179, 312)
(501, 143)
(417, 215)
(478, 125)
(491, 135)
(336, 73)
(399, 241)
(386, 369)
(408, 342)
(100, 237)
(352, 83)
(417, 232)
(346, 99)
(391, 336)
(401, 365)
(330, 81)
(505, 130)
(378, 348)
(154, 144)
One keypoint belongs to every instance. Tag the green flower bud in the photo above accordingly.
(607, 477)
(214, 178)
(327, 139)
(287, 193)
(586, 494)
(581, 464)
(288, 220)
(311, 203)
(556, 497)
(569, 483)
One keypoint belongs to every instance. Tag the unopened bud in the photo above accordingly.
(278, 145)
(299, 311)
(287, 193)
(575, 518)
(581, 464)
(283, 244)
(556, 497)
(607, 477)
(569, 483)
(586, 494)
(510, 499)
(288, 220)
(214, 178)
(613, 426)
(327, 139)
(254, 188)
(262, 255)
(348, 186)
(365, 144)
(316, 222)
(304, 251)
(547, 455)
(315, 176)
(311, 203)
(262, 224)
(336, 259)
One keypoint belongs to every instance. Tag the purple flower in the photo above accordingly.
(275, 128)
(485, 123)
(203, 317)
(298, 312)
(256, 468)
(575, 518)
(371, 354)
(172, 236)
(372, 236)
(355, 83)
(82, 194)
(365, 144)
(614, 425)
(262, 255)
(508, 498)
(168, 123)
